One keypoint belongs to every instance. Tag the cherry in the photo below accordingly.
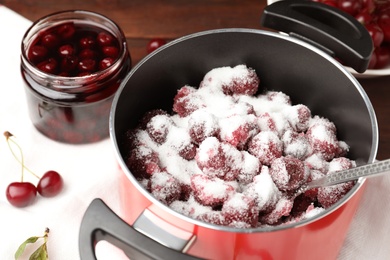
(105, 39)
(87, 42)
(87, 54)
(384, 24)
(110, 51)
(368, 6)
(69, 63)
(350, 6)
(85, 45)
(48, 66)
(331, 3)
(66, 31)
(50, 40)
(105, 63)
(66, 50)
(50, 184)
(21, 194)
(364, 17)
(383, 57)
(87, 65)
(155, 44)
(376, 34)
(38, 53)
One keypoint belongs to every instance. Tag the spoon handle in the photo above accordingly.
(368, 170)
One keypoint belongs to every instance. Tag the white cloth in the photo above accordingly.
(91, 171)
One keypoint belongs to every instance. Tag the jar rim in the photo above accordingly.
(72, 82)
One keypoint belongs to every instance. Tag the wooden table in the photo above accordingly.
(142, 20)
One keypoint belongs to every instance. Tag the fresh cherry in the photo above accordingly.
(155, 44)
(21, 194)
(50, 184)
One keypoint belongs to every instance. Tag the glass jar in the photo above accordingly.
(72, 63)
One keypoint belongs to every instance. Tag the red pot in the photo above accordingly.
(307, 74)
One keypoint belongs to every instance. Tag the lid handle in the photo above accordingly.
(324, 26)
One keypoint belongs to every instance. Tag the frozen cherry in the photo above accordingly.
(21, 194)
(50, 184)
(154, 44)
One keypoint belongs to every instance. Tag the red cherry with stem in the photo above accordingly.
(155, 44)
(21, 194)
(50, 184)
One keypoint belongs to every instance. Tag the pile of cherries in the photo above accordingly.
(375, 16)
(22, 194)
(71, 49)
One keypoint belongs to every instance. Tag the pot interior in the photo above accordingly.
(282, 63)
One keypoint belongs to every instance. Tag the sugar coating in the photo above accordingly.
(229, 155)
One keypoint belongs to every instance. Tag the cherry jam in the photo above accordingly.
(72, 63)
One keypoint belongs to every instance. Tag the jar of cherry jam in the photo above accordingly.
(72, 63)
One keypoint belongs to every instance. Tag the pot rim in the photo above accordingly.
(341, 202)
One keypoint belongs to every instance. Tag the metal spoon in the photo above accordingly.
(368, 170)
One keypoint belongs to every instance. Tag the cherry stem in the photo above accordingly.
(9, 138)
(46, 235)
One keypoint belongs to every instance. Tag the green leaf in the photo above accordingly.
(40, 253)
(21, 248)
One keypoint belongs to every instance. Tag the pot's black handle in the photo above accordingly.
(326, 27)
(101, 223)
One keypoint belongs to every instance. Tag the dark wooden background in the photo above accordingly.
(142, 20)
